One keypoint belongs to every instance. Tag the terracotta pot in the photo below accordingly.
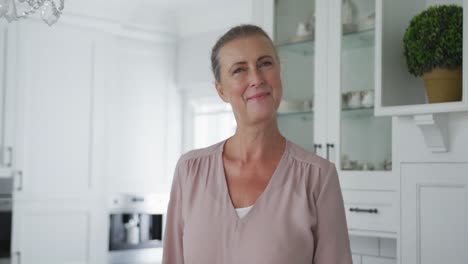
(443, 85)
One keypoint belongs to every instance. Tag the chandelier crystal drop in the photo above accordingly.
(50, 10)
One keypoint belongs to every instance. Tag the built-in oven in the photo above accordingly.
(136, 228)
(5, 219)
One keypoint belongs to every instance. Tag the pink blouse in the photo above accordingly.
(298, 219)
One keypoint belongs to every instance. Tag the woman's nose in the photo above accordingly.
(256, 78)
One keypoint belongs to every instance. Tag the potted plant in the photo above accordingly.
(433, 47)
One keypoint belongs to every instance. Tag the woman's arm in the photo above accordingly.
(331, 233)
(173, 252)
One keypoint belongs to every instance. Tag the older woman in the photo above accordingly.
(255, 197)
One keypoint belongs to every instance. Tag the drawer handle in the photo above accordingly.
(360, 210)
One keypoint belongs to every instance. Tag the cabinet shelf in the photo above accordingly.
(302, 113)
(354, 36)
(350, 112)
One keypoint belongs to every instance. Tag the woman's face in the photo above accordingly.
(250, 79)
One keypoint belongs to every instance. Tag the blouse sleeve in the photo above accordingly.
(172, 246)
(331, 233)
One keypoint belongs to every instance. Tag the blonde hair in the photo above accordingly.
(237, 32)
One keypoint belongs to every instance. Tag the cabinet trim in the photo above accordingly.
(434, 128)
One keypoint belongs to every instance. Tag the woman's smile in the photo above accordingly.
(258, 96)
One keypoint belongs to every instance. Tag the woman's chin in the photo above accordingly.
(263, 115)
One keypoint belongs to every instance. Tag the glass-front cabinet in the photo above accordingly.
(294, 39)
(365, 140)
(327, 54)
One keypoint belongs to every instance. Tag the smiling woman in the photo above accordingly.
(255, 197)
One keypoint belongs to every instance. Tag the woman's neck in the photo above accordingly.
(256, 143)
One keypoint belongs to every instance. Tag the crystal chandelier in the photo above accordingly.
(50, 10)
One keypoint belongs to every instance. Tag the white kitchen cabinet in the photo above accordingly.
(333, 67)
(361, 142)
(137, 78)
(64, 104)
(58, 232)
(398, 92)
(434, 213)
(320, 68)
(328, 82)
(57, 153)
(7, 104)
(372, 213)
(328, 103)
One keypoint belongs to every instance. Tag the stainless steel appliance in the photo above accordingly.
(6, 185)
(136, 227)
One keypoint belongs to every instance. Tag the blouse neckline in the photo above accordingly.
(272, 183)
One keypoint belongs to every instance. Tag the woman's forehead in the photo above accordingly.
(251, 47)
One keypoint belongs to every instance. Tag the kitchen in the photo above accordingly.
(88, 150)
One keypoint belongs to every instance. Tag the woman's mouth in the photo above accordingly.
(258, 96)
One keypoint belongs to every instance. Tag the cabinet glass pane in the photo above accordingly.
(365, 139)
(294, 39)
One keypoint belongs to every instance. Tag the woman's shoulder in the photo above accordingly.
(304, 156)
(201, 153)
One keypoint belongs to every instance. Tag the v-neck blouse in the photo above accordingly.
(299, 218)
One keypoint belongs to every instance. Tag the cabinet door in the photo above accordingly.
(137, 78)
(58, 233)
(358, 142)
(297, 37)
(56, 104)
(434, 213)
(7, 103)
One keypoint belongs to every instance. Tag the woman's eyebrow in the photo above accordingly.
(237, 63)
(264, 57)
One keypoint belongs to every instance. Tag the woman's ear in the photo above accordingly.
(221, 93)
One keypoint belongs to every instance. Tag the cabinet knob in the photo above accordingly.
(18, 180)
(329, 146)
(317, 146)
(138, 199)
(8, 159)
(360, 210)
(17, 255)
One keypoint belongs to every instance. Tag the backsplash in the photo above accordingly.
(370, 250)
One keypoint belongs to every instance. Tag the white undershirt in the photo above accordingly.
(241, 212)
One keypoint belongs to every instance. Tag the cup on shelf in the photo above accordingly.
(367, 98)
(354, 99)
(303, 29)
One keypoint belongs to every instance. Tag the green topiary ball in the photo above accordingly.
(434, 39)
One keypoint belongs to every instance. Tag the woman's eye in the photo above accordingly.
(238, 70)
(266, 63)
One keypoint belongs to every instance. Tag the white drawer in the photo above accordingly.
(371, 211)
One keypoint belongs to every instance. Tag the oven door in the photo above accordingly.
(5, 228)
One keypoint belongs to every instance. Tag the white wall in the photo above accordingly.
(197, 35)
(137, 13)
(198, 19)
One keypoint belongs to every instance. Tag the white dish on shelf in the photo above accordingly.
(301, 38)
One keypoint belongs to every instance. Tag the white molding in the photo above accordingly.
(419, 109)
(434, 128)
(378, 234)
